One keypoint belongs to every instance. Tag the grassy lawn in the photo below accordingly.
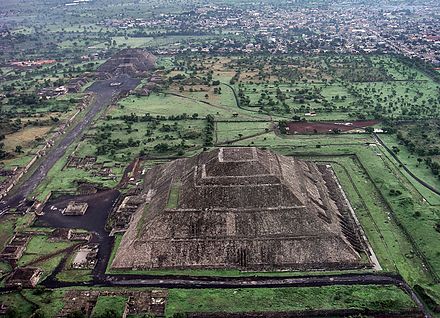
(106, 303)
(421, 170)
(49, 301)
(165, 104)
(173, 199)
(19, 305)
(117, 242)
(386, 298)
(306, 142)
(415, 215)
(75, 275)
(40, 245)
(393, 250)
(225, 131)
(7, 226)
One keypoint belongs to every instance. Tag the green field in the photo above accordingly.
(107, 304)
(420, 169)
(386, 298)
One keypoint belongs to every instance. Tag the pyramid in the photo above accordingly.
(128, 61)
(242, 208)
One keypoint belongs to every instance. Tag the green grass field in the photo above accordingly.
(40, 245)
(173, 199)
(387, 298)
(420, 169)
(165, 105)
(7, 226)
(109, 303)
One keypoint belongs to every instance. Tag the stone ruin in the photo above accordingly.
(27, 277)
(85, 257)
(15, 248)
(139, 302)
(120, 217)
(246, 209)
(75, 208)
(132, 62)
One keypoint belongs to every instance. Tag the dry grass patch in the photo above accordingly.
(25, 137)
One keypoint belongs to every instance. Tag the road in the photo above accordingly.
(104, 94)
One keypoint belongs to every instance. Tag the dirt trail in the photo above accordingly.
(104, 94)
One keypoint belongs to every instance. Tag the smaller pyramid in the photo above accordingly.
(129, 61)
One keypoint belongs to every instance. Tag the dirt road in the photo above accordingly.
(104, 94)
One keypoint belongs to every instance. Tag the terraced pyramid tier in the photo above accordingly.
(242, 208)
(129, 61)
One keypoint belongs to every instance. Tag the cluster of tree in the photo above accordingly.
(420, 146)
(112, 145)
(168, 128)
(242, 98)
(413, 146)
(283, 126)
(235, 78)
(165, 147)
(434, 165)
(3, 154)
(133, 118)
(217, 90)
(209, 131)
(31, 99)
(424, 66)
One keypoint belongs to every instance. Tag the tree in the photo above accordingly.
(162, 147)
(109, 313)
(437, 226)
(11, 313)
(38, 314)
(369, 130)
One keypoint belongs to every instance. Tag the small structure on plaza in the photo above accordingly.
(75, 208)
(85, 257)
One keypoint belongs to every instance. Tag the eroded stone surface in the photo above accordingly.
(241, 208)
